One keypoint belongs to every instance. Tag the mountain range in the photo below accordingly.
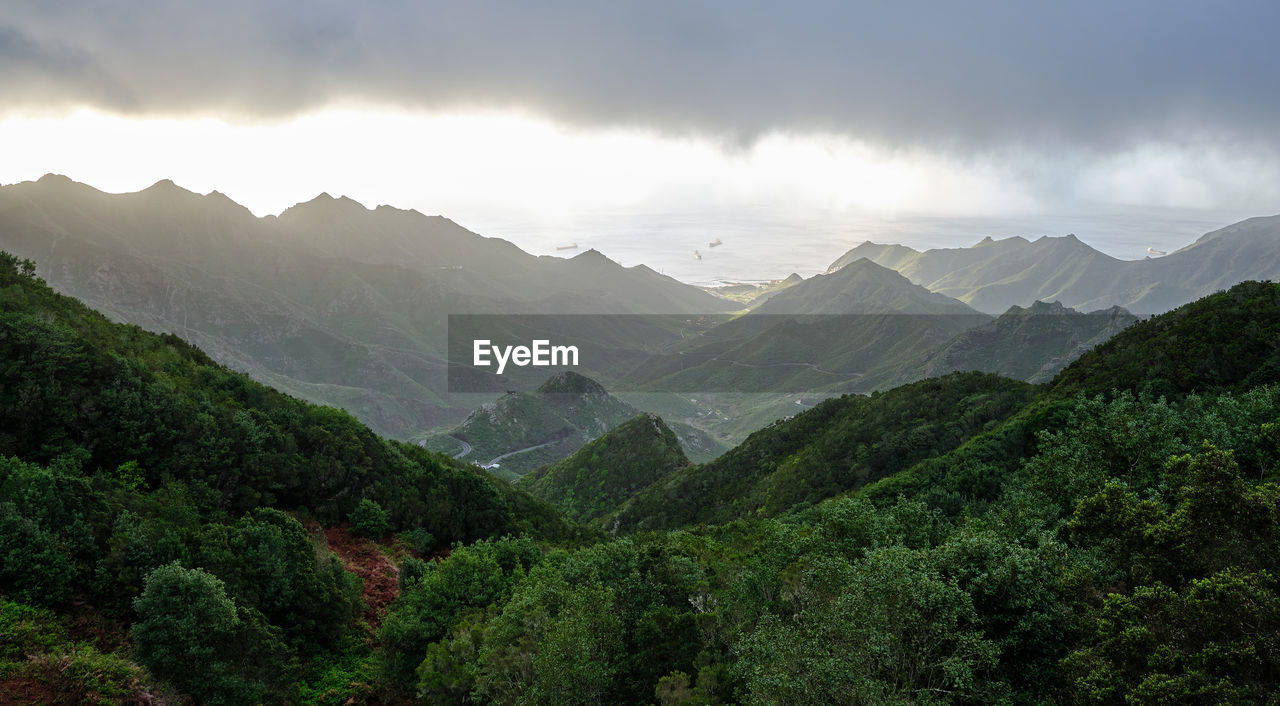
(994, 275)
(345, 305)
(865, 327)
(330, 301)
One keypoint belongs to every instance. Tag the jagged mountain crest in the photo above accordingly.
(996, 274)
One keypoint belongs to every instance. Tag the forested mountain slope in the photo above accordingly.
(82, 390)
(597, 477)
(141, 483)
(1225, 342)
(839, 445)
(1229, 340)
(526, 430)
(1085, 550)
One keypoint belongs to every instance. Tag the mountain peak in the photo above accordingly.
(1040, 308)
(1260, 228)
(866, 267)
(590, 254)
(166, 186)
(571, 383)
(860, 287)
(324, 205)
(877, 252)
(61, 184)
(607, 471)
(325, 198)
(52, 179)
(1068, 239)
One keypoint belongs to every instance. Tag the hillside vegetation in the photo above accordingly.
(599, 476)
(1227, 341)
(1086, 549)
(839, 445)
(142, 479)
(526, 430)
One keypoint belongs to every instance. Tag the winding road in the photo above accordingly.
(518, 451)
(466, 448)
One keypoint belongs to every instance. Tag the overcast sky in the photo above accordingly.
(932, 107)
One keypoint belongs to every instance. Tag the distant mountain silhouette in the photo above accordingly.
(997, 274)
(1025, 343)
(331, 301)
(861, 287)
(826, 332)
(345, 305)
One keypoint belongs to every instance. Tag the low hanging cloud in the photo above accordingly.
(1094, 74)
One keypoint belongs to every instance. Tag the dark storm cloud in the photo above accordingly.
(41, 71)
(1089, 72)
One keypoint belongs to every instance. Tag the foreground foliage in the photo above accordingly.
(139, 477)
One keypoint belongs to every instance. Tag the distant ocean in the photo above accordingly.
(764, 246)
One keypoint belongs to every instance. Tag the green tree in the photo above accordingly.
(369, 519)
(268, 563)
(472, 577)
(1215, 641)
(887, 630)
(187, 634)
(576, 660)
(34, 566)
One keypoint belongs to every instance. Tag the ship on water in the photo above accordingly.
(715, 242)
(1156, 253)
(570, 246)
(697, 255)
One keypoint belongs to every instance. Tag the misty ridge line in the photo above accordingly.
(350, 305)
(349, 207)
